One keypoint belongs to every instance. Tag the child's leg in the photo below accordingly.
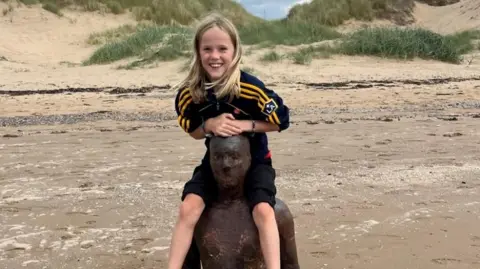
(260, 192)
(194, 198)
(190, 211)
(264, 218)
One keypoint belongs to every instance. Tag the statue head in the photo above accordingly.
(230, 160)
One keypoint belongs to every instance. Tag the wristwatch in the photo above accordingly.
(205, 131)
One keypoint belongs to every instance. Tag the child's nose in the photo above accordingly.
(215, 54)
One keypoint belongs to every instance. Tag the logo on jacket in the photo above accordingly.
(269, 107)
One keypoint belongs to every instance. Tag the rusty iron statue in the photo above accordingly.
(226, 237)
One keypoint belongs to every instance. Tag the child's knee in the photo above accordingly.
(263, 212)
(191, 209)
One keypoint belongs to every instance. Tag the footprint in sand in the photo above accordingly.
(445, 261)
(71, 213)
(87, 244)
(141, 241)
(15, 252)
(321, 254)
(384, 142)
(475, 239)
(137, 243)
(352, 256)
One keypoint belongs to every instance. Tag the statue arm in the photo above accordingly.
(286, 228)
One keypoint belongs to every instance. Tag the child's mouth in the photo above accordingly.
(215, 65)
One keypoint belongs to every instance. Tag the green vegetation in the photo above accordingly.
(52, 7)
(159, 11)
(463, 40)
(115, 34)
(303, 56)
(333, 13)
(407, 44)
(325, 12)
(162, 43)
(285, 33)
(122, 42)
(307, 54)
(395, 43)
(271, 56)
(29, 2)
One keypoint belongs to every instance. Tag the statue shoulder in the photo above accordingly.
(282, 212)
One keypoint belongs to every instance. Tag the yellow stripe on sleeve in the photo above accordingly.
(254, 88)
(180, 121)
(184, 123)
(183, 93)
(277, 121)
(260, 105)
(184, 98)
(184, 106)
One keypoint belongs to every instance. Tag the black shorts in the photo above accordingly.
(259, 184)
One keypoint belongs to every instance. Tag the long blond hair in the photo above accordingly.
(229, 83)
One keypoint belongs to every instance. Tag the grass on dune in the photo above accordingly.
(326, 12)
(115, 34)
(160, 43)
(393, 43)
(335, 12)
(182, 12)
(286, 33)
(169, 41)
(143, 39)
(408, 44)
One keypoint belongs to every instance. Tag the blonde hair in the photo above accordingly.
(229, 83)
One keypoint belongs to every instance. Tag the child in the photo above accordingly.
(217, 98)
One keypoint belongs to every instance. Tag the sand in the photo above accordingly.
(380, 166)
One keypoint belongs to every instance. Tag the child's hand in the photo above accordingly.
(223, 125)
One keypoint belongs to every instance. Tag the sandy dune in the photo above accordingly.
(464, 15)
(380, 166)
(36, 36)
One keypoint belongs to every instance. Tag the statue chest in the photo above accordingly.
(227, 238)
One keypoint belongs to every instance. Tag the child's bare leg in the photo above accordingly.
(264, 217)
(190, 211)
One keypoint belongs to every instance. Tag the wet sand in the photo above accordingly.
(377, 174)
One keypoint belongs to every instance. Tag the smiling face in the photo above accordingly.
(230, 160)
(216, 51)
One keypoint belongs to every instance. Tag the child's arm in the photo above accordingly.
(260, 126)
(222, 125)
(188, 119)
(192, 123)
(271, 112)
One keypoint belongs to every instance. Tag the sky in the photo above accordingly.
(269, 9)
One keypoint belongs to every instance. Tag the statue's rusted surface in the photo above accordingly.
(226, 236)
